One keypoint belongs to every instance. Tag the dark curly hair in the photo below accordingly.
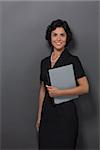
(53, 26)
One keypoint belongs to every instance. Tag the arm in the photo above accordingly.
(40, 104)
(82, 88)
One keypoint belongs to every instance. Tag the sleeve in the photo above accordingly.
(78, 68)
(41, 73)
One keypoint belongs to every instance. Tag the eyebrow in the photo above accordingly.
(57, 33)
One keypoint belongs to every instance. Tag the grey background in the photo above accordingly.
(0, 71)
(23, 47)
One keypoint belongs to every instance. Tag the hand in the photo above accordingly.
(53, 91)
(37, 124)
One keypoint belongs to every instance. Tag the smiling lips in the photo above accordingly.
(58, 44)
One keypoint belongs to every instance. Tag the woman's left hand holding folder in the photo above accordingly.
(53, 91)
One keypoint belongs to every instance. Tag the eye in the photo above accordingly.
(62, 34)
(54, 34)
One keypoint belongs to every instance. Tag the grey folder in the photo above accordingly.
(63, 78)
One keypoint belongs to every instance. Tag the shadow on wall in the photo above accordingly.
(88, 114)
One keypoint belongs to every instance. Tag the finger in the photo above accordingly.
(49, 87)
(37, 127)
(50, 91)
(46, 85)
(50, 94)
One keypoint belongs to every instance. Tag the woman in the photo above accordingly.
(58, 123)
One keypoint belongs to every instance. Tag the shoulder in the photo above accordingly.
(74, 58)
(45, 60)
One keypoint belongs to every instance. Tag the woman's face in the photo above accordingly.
(58, 38)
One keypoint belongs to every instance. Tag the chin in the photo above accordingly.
(59, 48)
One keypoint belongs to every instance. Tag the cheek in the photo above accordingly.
(64, 39)
(53, 39)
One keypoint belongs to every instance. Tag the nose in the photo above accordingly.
(58, 38)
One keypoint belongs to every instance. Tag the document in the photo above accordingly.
(63, 78)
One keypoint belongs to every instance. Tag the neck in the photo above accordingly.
(58, 52)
